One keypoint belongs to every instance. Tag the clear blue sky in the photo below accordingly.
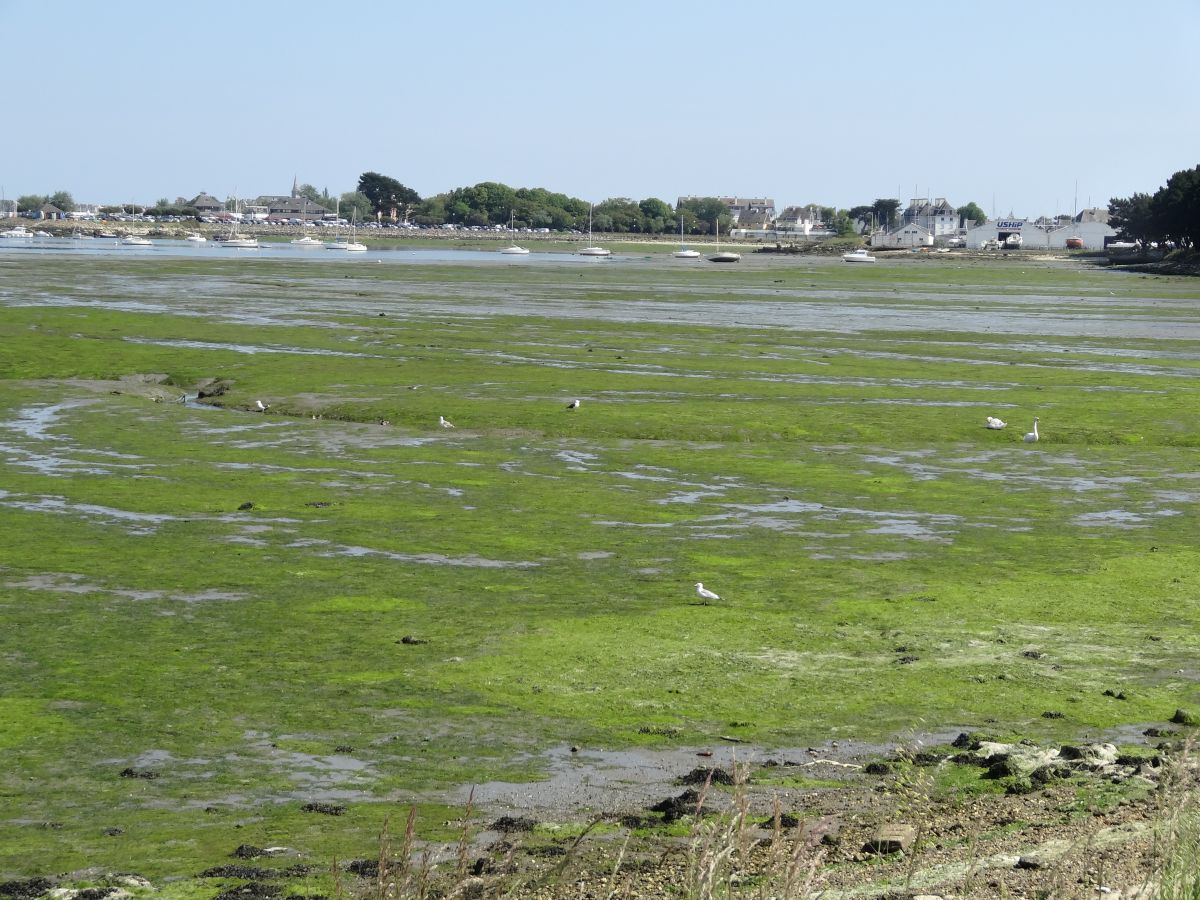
(1008, 104)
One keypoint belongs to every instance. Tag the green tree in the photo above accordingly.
(863, 214)
(1132, 217)
(355, 205)
(887, 212)
(707, 211)
(842, 224)
(30, 202)
(388, 196)
(1175, 208)
(63, 200)
(657, 216)
(619, 214)
(321, 198)
(432, 211)
(972, 213)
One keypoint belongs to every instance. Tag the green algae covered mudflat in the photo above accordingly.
(212, 616)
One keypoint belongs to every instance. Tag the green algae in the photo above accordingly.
(884, 560)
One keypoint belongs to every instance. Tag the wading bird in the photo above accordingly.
(704, 593)
(444, 422)
(1033, 435)
(574, 404)
(995, 424)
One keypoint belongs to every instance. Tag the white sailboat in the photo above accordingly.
(136, 240)
(683, 252)
(593, 250)
(514, 249)
(726, 256)
(196, 237)
(351, 245)
(235, 240)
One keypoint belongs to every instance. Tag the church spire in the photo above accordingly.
(295, 186)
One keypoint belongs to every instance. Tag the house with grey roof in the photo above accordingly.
(206, 204)
(939, 218)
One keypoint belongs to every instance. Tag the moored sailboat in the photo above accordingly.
(592, 249)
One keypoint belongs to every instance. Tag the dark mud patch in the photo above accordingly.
(25, 888)
(689, 803)
(507, 824)
(254, 890)
(704, 775)
(326, 809)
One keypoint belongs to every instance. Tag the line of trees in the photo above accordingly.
(493, 203)
(1172, 213)
(33, 202)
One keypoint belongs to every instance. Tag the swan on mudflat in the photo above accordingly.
(1033, 435)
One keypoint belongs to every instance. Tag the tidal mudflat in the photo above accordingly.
(213, 616)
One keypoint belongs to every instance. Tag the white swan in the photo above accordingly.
(704, 593)
(444, 422)
(995, 424)
(1033, 435)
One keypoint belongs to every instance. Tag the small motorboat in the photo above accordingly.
(196, 238)
(858, 256)
(307, 241)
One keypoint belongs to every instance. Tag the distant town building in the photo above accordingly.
(798, 220)
(748, 212)
(8, 209)
(905, 237)
(1093, 214)
(293, 206)
(49, 211)
(284, 208)
(1093, 234)
(938, 218)
(205, 204)
(998, 231)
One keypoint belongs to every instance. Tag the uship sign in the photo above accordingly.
(1011, 225)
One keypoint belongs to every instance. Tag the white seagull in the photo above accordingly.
(1032, 437)
(260, 406)
(574, 404)
(995, 424)
(444, 422)
(704, 593)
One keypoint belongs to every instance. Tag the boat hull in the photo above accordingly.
(858, 256)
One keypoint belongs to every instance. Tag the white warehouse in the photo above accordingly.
(1037, 237)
